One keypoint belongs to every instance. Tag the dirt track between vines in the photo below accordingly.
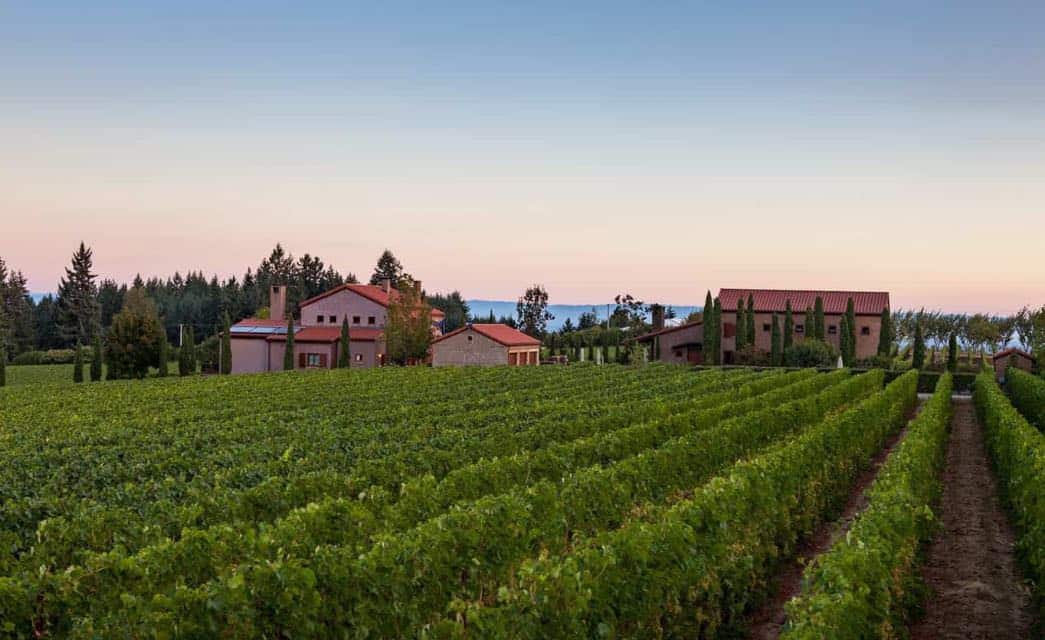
(977, 590)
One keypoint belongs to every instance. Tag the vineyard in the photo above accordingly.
(533, 502)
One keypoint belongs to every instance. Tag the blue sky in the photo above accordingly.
(596, 147)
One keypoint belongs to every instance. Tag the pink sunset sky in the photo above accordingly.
(662, 153)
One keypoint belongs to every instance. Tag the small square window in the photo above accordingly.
(333, 319)
(359, 357)
(355, 319)
(765, 328)
(319, 319)
(800, 328)
(469, 338)
(371, 320)
(865, 331)
(832, 329)
(313, 360)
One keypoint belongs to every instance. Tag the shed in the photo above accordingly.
(1012, 357)
(486, 345)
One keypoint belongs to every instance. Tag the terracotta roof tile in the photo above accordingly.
(500, 333)
(370, 292)
(775, 300)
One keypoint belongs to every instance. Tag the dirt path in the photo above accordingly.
(767, 621)
(977, 590)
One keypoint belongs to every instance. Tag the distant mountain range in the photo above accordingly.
(482, 308)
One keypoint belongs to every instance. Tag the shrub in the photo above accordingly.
(751, 355)
(51, 356)
(811, 353)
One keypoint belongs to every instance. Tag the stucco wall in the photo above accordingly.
(341, 304)
(668, 342)
(468, 348)
(248, 355)
(866, 345)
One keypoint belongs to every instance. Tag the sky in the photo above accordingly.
(661, 149)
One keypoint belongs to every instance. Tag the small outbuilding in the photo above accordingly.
(485, 345)
(1012, 357)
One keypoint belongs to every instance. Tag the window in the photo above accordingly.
(333, 319)
(832, 329)
(319, 319)
(469, 338)
(800, 328)
(314, 360)
(371, 320)
(359, 357)
(865, 331)
(355, 319)
(765, 328)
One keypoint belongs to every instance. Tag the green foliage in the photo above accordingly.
(96, 358)
(408, 330)
(344, 346)
(869, 580)
(811, 353)
(78, 364)
(532, 311)
(1028, 395)
(776, 351)
(717, 333)
(952, 353)
(789, 327)
(708, 327)
(3, 360)
(845, 340)
(918, 350)
(134, 337)
(749, 321)
(288, 350)
(818, 320)
(225, 366)
(187, 353)
(885, 334)
(1017, 451)
(810, 322)
(741, 327)
(163, 357)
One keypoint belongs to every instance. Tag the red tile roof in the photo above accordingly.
(653, 334)
(1012, 351)
(329, 334)
(775, 300)
(500, 333)
(370, 292)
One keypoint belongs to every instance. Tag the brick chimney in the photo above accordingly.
(386, 284)
(658, 316)
(278, 302)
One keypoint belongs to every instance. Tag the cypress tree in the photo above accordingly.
(885, 334)
(789, 327)
(808, 331)
(818, 319)
(749, 330)
(164, 356)
(187, 353)
(918, 354)
(78, 363)
(717, 306)
(776, 353)
(225, 366)
(741, 326)
(96, 359)
(344, 351)
(288, 353)
(708, 344)
(952, 353)
(845, 338)
(3, 359)
(850, 314)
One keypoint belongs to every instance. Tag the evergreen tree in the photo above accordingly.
(918, 352)
(818, 319)
(809, 330)
(186, 361)
(134, 337)
(78, 364)
(749, 325)
(288, 353)
(776, 352)
(344, 352)
(79, 310)
(708, 327)
(885, 334)
(952, 353)
(225, 366)
(3, 356)
(387, 267)
(96, 358)
(789, 327)
(741, 327)
(844, 339)
(163, 357)
(717, 334)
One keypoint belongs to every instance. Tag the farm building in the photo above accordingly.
(486, 345)
(1012, 357)
(260, 344)
(684, 344)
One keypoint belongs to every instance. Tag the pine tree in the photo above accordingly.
(708, 344)
(952, 353)
(808, 330)
(885, 334)
(749, 324)
(818, 319)
(78, 364)
(776, 353)
(741, 327)
(717, 334)
(96, 359)
(344, 353)
(288, 353)
(789, 327)
(918, 353)
(226, 345)
(79, 313)
(163, 357)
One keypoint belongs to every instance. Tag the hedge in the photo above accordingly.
(1028, 395)
(867, 583)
